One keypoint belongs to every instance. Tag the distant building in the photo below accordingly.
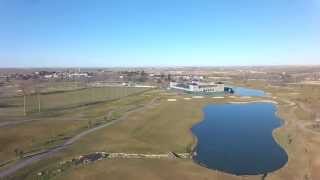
(198, 87)
(78, 75)
(49, 76)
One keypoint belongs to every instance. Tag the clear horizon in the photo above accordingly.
(123, 33)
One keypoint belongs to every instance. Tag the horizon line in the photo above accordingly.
(160, 66)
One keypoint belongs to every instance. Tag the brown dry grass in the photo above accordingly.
(159, 129)
(167, 128)
(304, 149)
(35, 135)
(138, 169)
(49, 130)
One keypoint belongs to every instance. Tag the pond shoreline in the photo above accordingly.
(276, 113)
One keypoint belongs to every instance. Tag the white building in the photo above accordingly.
(196, 87)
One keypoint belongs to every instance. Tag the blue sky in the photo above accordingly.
(79, 33)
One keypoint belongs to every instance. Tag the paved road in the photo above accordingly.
(50, 152)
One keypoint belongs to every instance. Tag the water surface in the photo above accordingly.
(237, 138)
(242, 91)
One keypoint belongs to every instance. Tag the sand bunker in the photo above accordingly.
(197, 97)
(218, 97)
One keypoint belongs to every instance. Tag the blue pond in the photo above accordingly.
(237, 139)
(241, 91)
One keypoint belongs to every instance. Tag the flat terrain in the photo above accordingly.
(39, 131)
(47, 101)
(298, 107)
(162, 126)
(144, 169)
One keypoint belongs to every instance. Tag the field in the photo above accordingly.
(298, 107)
(57, 100)
(162, 126)
(143, 132)
(37, 132)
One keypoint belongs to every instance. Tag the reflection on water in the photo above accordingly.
(241, 91)
(237, 138)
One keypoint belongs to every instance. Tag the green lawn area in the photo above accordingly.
(164, 127)
(139, 169)
(50, 129)
(59, 100)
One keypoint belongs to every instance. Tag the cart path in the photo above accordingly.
(50, 152)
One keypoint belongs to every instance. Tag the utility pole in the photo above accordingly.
(39, 102)
(92, 94)
(24, 101)
(24, 104)
(38, 98)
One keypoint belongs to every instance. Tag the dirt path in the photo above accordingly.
(50, 152)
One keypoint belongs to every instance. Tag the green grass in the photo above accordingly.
(56, 101)
(139, 169)
(35, 136)
(144, 131)
(51, 130)
(157, 129)
(166, 127)
(53, 101)
(304, 146)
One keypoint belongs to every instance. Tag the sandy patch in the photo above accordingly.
(258, 101)
(197, 97)
(218, 97)
(245, 97)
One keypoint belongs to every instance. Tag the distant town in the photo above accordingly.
(161, 77)
(56, 121)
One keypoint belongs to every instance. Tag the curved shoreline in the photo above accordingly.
(195, 139)
(276, 113)
(253, 101)
(277, 140)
